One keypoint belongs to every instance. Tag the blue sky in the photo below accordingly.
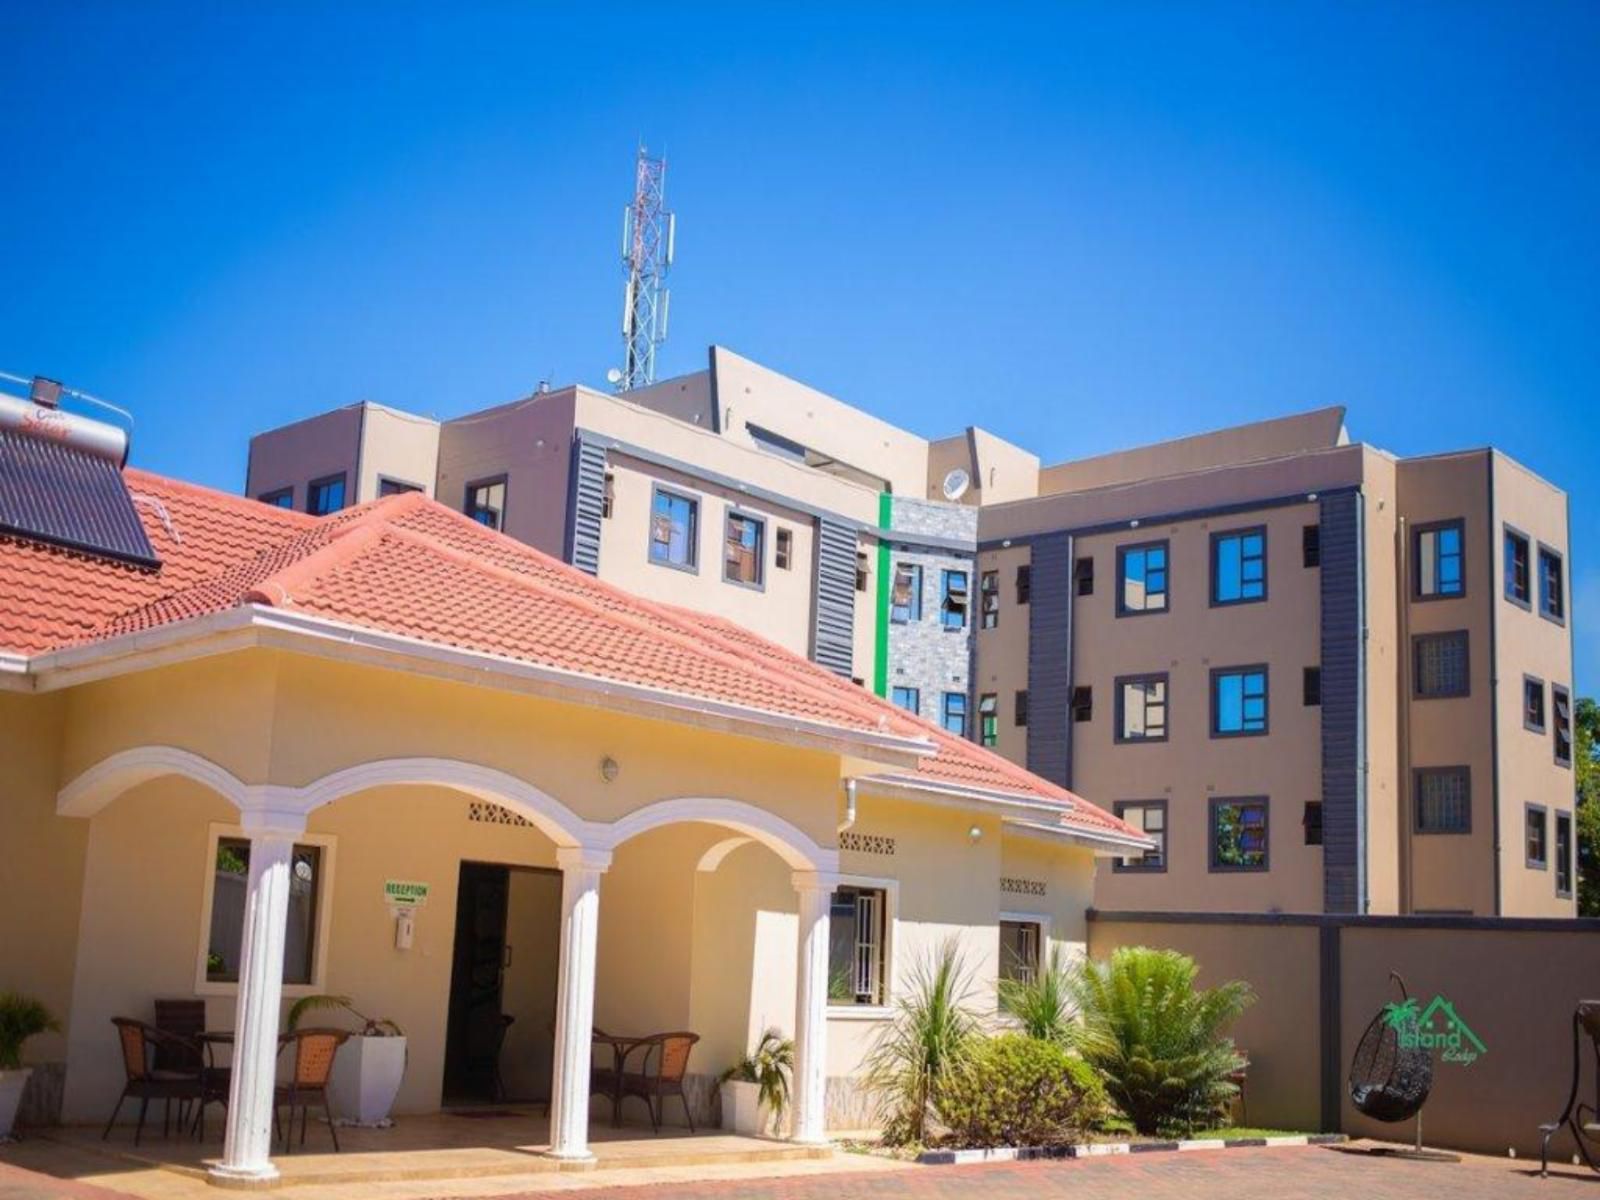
(1082, 225)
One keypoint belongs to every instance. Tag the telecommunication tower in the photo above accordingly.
(648, 231)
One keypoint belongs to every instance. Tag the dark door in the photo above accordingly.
(475, 1030)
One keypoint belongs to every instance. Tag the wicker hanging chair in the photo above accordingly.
(1387, 1082)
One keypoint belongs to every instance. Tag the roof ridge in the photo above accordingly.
(341, 546)
(667, 625)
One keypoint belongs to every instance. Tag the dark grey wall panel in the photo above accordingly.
(1050, 659)
(833, 636)
(586, 500)
(1344, 881)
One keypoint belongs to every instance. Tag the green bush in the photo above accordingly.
(1015, 1090)
(1042, 1005)
(1159, 1041)
(21, 1017)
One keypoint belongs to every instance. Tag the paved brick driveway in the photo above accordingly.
(1294, 1173)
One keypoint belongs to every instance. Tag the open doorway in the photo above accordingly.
(499, 1037)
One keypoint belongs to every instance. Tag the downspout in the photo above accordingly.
(1494, 685)
(1405, 788)
(849, 805)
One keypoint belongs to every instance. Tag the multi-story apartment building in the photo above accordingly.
(1326, 679)
(734, 490)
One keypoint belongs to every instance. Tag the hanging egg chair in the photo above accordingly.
(1389, 1082)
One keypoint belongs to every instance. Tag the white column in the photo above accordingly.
(246, 1152)
(581, 868)
(810, 1081)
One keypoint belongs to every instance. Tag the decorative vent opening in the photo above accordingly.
(1022, 887)
(866, 843)
(486, 813)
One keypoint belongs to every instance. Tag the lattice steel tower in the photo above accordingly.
(647, 237)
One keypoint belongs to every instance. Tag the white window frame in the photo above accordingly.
(1042, 920)
(327, 843)
(891, 939)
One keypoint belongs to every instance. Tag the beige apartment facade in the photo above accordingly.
(962, 579)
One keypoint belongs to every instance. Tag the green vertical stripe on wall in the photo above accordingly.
(880, 658)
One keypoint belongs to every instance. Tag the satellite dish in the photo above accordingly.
(956, 484)
(613, 376)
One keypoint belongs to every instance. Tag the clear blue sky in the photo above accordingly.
(1081, 226)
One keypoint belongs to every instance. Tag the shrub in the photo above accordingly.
(932, 1032)
(1043, 1005)
(1015, 1090)
(1158, 1039)
(21, 1017)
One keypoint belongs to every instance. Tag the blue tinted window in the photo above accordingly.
(953, 600)
(908, 698)
(905, 600)
(673, 529)
(955, 713)
(1142, 578)
(1239, 566)
(1439, 562)
(1239, 701)
(324, 496)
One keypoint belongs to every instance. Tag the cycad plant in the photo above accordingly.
(1043, 1005)
(1160, 1041)
(768, 1066)
(930, 1038)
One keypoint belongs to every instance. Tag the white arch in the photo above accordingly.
(712, 858)
(786, 840)
(547, 814)
(102, 783)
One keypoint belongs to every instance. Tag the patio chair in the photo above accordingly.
(1583, 1119)
(145, 1080)
(666, 1061)
(314, 1051)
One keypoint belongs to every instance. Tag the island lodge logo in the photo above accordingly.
(1437, 1027)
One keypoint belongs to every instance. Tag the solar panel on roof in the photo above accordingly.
(67, 496)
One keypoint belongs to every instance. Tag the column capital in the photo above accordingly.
(816, 881)
(269, 822)
(583, 858)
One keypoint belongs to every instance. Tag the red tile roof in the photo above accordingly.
(407, 565)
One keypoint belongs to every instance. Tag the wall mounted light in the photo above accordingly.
(608, 768)
(975, 834)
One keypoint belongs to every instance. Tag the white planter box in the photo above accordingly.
(743, 1112)
(11, 1085)
(366, 1079)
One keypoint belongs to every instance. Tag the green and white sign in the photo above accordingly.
(405, 893)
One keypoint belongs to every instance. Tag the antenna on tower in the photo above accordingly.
(648, 234)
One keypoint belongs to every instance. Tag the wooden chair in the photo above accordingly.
(314, 1051)
(1581, 1118)
(145, 1080)
(666, 1062)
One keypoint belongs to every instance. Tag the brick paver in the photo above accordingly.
(1297, 1173)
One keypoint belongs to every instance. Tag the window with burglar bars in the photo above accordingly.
(856, 935)
(1019, 950)
(1443, 800)
(1441, 665)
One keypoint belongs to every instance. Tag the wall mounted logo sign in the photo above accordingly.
(1436, 1027)
(403, 893)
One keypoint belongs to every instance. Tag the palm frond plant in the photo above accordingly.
(1043, 1005)
(21, 1017)
(769, 1067)
(370, 1026)
(1160, 1041)
(930, 1038)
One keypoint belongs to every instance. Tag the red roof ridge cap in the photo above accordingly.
(277, 589)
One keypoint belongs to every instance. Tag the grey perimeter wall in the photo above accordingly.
(1320, 980)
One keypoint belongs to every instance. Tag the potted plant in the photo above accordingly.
(21, 1017)
(755, 1090)
(370, 1067)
